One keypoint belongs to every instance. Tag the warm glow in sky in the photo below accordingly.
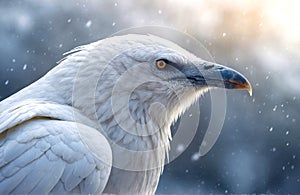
(270, 29)
(284, 17)
(278, 17)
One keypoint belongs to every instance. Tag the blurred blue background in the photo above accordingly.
(258, 150)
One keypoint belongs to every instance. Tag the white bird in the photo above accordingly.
(99, 122)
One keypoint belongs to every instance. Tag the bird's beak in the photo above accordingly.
(215, 75)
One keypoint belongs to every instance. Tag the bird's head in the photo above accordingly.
(146, 79)
(159, 79)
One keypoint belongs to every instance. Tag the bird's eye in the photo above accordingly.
(161, 64)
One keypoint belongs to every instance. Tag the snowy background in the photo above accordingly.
(258, 150)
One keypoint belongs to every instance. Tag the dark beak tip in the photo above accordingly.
(248, 87)
(236, 79)
(243, 86)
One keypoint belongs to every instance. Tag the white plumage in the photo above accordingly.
(91, 125)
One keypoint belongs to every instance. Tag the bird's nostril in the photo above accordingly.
(208, 66)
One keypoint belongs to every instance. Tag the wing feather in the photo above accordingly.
(49, 178)
(76, 172)
(23, 160)
(10, 183)
(41, 181)
(91, 182)
(6, 156)
(66, 157)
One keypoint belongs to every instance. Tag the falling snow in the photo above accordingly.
(283, 168)
(180, 148)
(287, 132)
(195, 156)
(88, 24)
(273, 149)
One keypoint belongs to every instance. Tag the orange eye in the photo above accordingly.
(161, 64)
